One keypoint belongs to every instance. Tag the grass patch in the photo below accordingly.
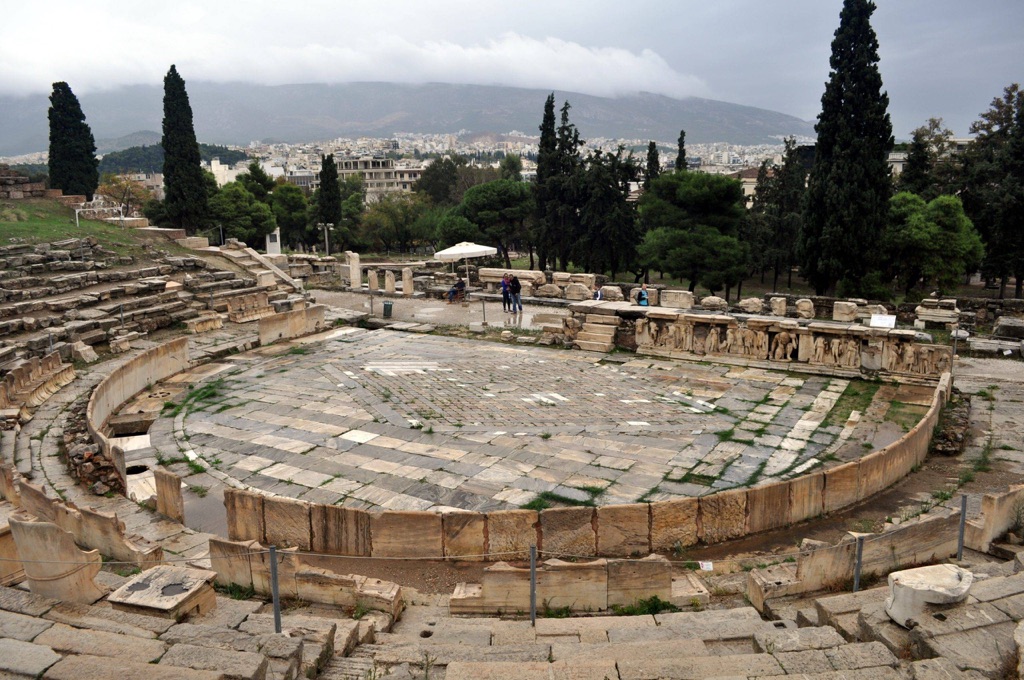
(905, 415)
(298, 351)
(235, 591)
(549, 499)
(726, 435)
(199, 398)
(856, 397)
(199, 490)
(645, 607)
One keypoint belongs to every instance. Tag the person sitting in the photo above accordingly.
(457, 291)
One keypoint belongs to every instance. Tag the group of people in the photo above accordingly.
(511, 293)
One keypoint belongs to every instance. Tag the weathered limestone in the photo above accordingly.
(24, 659)
(21, 627)
(844, 311)
(612, 294)
(912, 589)
(678, 299)
(372, 282)
(245, 515)
(622, 530)
(407, 534)
(169, 502)
(46, 552)
(511, 533)
(805, 308)
(339, 530)
(231, 663)
(70, 640)
(751, 305)
(355, 272)
(673, 524)
(408, 287)
(715, 303)
(167, 591)
(568, 531)
(86, 667)
(778, 306)
(577, 291)
(633, 580)
(287, 522)
(389, 282)
(464, 534)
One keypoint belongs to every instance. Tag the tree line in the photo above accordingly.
(841, 219)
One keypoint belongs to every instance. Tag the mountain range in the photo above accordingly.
(237, 113)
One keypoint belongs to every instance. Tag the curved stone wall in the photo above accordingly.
(608, 531)
(126, 381)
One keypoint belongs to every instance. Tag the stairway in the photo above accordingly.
(598, 333)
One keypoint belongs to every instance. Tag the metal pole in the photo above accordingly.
(327, 238)
(963, 526)
(371, 303)
(121, 308)
(483, 307)
(274, 590)
(533, 585)
(49, 339)
(856, 567)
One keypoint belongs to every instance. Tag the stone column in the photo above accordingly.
(389, 282)
(168, 495)
(372, 283)
(355, 272)
(407, 284)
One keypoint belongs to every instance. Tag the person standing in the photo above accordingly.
(516, 290)
(641, 296)
(506, 293)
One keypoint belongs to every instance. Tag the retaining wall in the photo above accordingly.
(608, 531)
(127, 380)
(294, 324)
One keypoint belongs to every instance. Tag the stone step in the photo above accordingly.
(602, 320)
(85, 667)
(446, 653)
(349, 668)
(603, 332)
(595, 346)
(559, 670)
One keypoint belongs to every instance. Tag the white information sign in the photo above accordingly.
(883, 321)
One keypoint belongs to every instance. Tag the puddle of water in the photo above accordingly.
(173, 589)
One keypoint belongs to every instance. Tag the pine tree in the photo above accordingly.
(653, 165)
(849, 186)
(916, 176)
(186, 199)
(681, 155)
(74, 167)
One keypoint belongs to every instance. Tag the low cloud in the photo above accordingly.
(512, 59)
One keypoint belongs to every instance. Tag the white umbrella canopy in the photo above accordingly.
(464, 250)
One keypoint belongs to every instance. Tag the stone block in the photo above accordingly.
(623, 530)
(714, 302)
(842, 487)
(45, 550)
(722, 516)
(768, 507)
(464, 534)
(236, 665)
(68, 640)
(805, 308)
(168, 495)
(673, 524)
(340, 531)
(245, 515)
(797, 639)
(510, 533)
(694, 668)
(20, 627)
(844, 311)
(87, 667)
(232, 562)
(568, 531)
(808, 661)
(805, 496)
(577, 291)
(167, 591)
(612, 294)
(751, 305)
(677, 299)
(19, 659)
(288, 523)
(911, 590)
(406, 534)
(548, 290)
(778, 306)
(504, 588)
(861, 655)
(632, 580)
(581, 586)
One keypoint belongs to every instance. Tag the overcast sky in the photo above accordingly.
(943, 58)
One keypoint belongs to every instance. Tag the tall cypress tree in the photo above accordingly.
(74, 167)
(916, 176)
(849, 186)
(185, 197)
(681, 154)
(328, 203)
(653, 164)
(547, 168)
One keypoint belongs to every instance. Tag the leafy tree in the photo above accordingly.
(257, 182)
(916, 175)
(290, 209)
(653, 165)
(151, 158)
(185, 195)
(388, 223)
(849, 186)
(776, 214)
(694, 219)
(511, 168)
(72, 160)
(453, 228)
(438, 180)
(931, 169)
(609, 234)
(993, 192)
(131, 195)
(500, 210)
(681, 153)
(929, 244)
(241, 214)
